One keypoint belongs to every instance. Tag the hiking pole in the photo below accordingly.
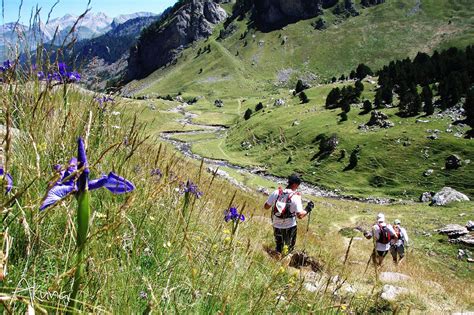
(309, 208)
(307, 226)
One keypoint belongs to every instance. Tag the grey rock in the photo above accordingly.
(433, 136)
(448, 195)
(426, 197)
(379, 119)
(160, 45)
(428, 172)
(453, 162)
(422, 121)
(279, 102)
(470, 226)
(391, 293)
(467, 240)
(393, 277)
(295, 123)
(453, 230)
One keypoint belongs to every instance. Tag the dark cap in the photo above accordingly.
(294, 179)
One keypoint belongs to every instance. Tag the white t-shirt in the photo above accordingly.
(296, 206)
(376, 233)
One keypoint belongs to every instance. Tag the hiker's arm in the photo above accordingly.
(300, 212)
(271, 200)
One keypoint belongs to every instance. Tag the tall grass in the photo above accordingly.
(144, 253)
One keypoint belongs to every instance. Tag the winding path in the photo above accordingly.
(185, 148)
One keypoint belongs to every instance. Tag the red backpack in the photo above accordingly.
(281, 207)
(385, 235)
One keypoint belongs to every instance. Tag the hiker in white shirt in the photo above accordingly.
(383, 235)
(398, 244)
(286, 206)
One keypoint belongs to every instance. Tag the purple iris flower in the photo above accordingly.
(233, 214)
(104, 100)
(191, 188)
(6, 65)
(40, 75)
(8, 178)
(70, 183)
(62, 69)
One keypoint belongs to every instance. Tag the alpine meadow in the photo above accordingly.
(238, 157)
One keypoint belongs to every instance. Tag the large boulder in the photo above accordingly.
(379, 119)
(448, 195)
(162, 42)
(453, 230)
(453, 162)
(391, 293)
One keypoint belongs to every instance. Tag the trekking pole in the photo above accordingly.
(309, 208)
(307, 226)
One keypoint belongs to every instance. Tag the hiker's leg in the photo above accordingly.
(401, 252)
(278, 239)
(292, 234)
(380, 256)
(393, 252)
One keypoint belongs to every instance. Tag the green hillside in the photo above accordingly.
(251, 67)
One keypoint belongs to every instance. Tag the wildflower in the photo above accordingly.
(227, 240)
(104, 100)
(233, 214)
(6, 178)
(6, 65)
(285, 250)
(281, 270)
(343, 307)
(190, 188)
(40, 75)
(226, 231)
(69, 183)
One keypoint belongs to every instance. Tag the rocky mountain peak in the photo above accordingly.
(161, 43)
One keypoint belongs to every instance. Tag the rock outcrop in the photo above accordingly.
(274, 14)
(161, 43)
(448, 195)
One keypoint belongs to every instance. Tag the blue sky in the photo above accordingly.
(110, 7)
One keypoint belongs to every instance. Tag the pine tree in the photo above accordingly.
(333, 98)
(378, 99)
(346, 106)
(362, 71)
(248, 114)
(427, 97)
(304, 98)
(359, 87)
(343, 116)
(367, 106)
(469, 108)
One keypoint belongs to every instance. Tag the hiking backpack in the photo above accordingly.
(384, 236)
(281, 207)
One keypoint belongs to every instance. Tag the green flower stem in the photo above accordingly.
(83, 216)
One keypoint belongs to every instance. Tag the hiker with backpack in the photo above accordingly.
(383, 234)
(397, 247)
(286, 205)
